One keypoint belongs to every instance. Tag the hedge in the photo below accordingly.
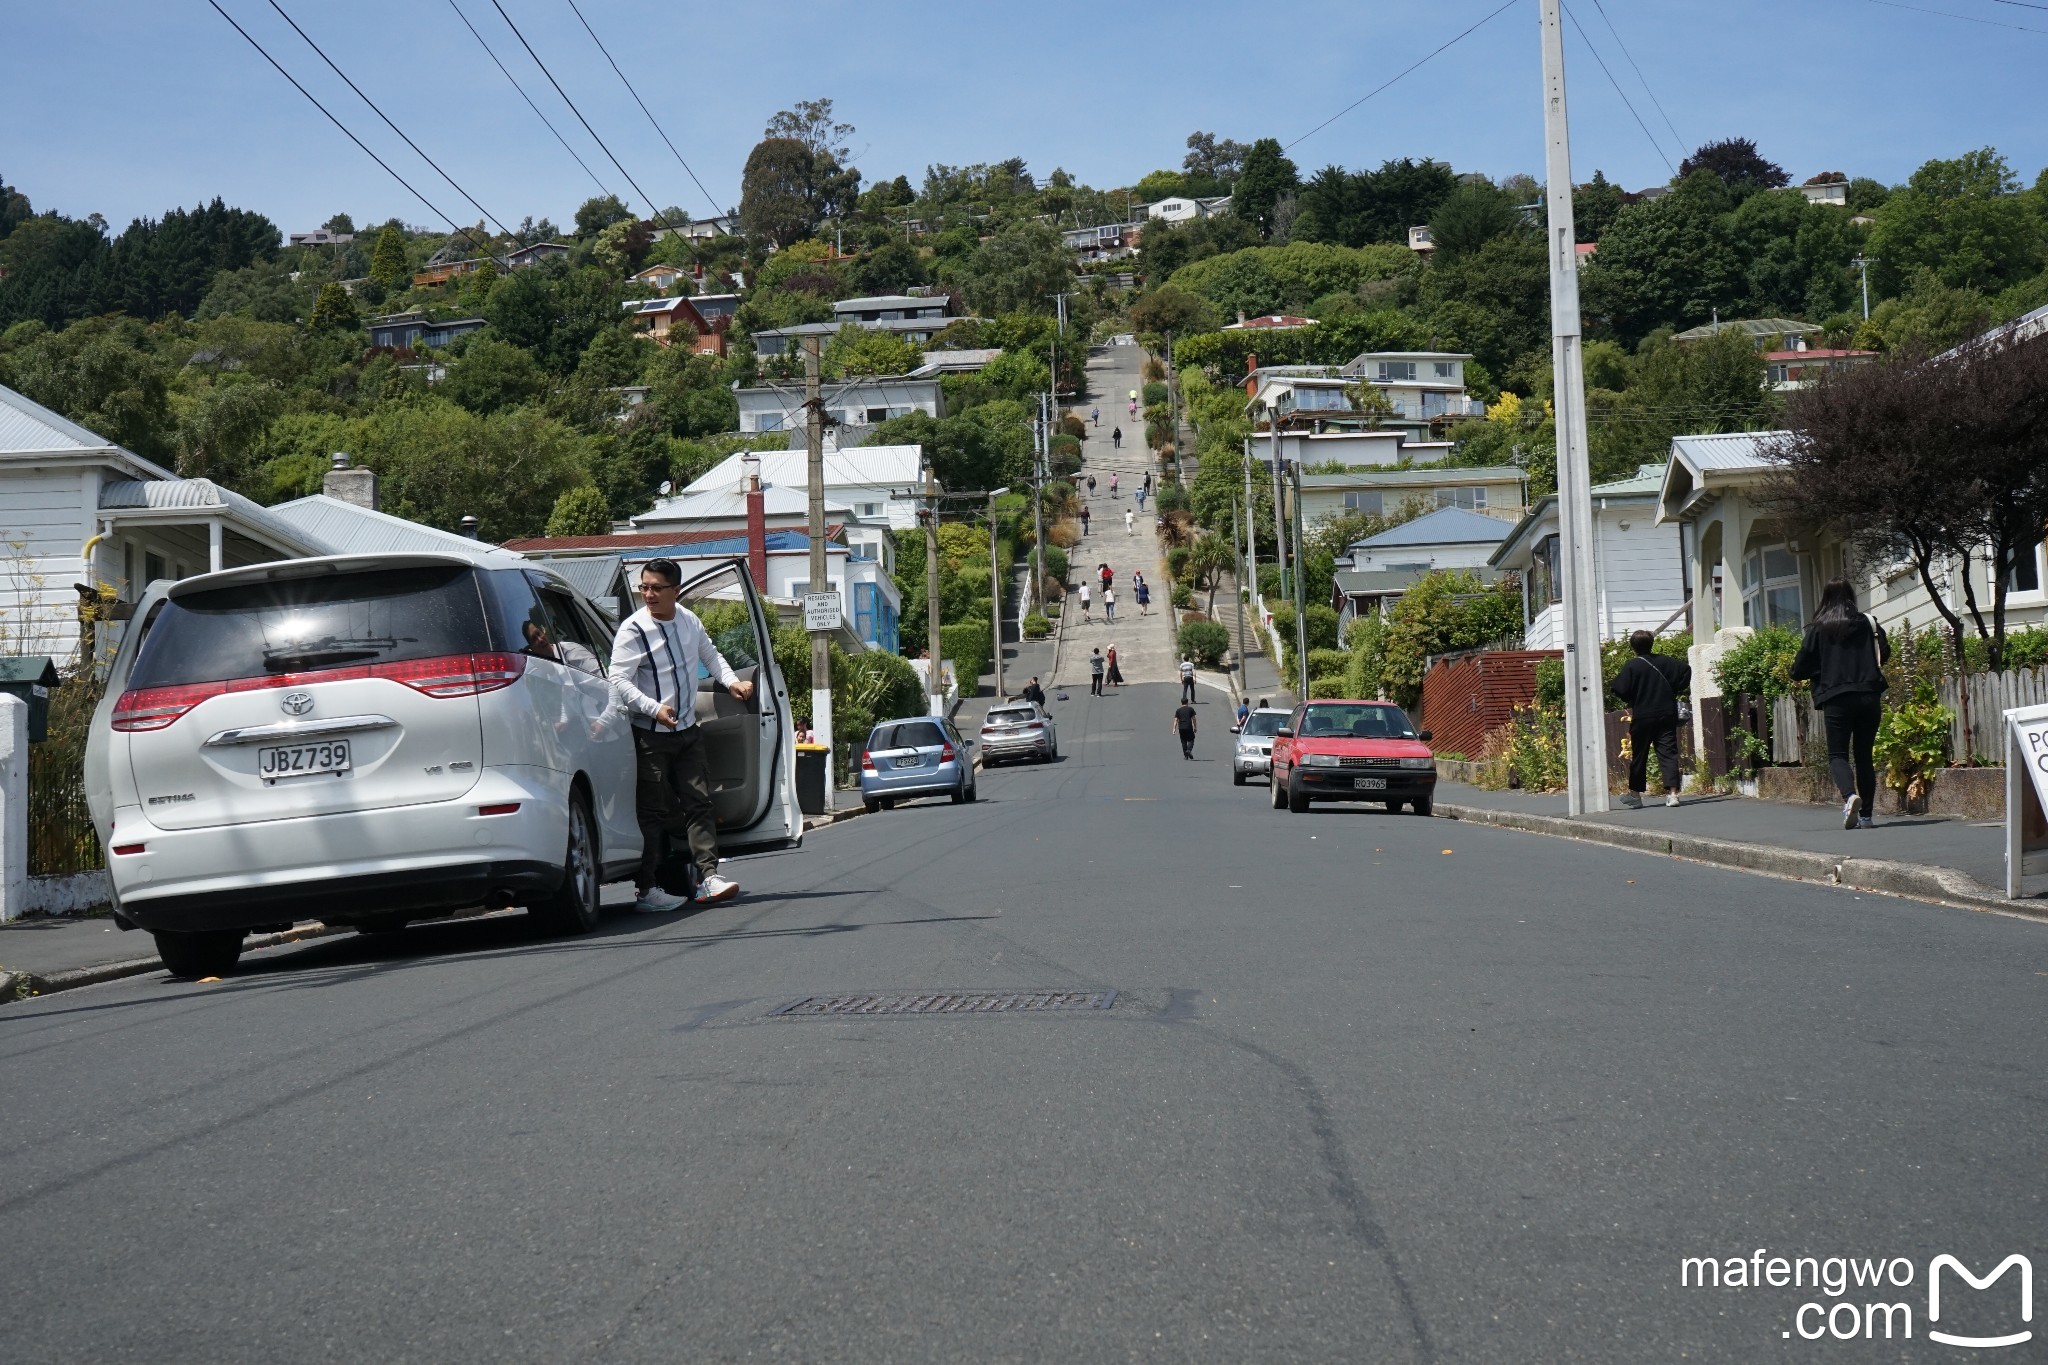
(968, 645)
(1206, 641)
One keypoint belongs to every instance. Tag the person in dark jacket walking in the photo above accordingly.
(1650, 684)
(1843, 655)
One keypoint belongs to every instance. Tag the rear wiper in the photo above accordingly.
(327, 651)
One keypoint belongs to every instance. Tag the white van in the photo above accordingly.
(371, 739)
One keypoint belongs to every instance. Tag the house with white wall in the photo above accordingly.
(1423, 386)
(1640, 576)
(853, 406)
(1494, 490)
(879, 485)
(1375, 571)
(78, 511)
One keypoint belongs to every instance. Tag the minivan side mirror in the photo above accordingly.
(1284, 733)
(1423, 735)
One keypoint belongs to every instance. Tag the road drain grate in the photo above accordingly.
(950, 1002)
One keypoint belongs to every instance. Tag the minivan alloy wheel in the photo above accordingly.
(573, 907)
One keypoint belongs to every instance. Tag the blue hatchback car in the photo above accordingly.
(923, 756)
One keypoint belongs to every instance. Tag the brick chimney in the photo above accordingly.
(757, 523)
(351, 485)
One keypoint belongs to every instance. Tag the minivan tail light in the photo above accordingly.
(867, 761)
(128, 850)
(456, 675)
(154, 708)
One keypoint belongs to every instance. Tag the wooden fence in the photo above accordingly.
(1991, 695)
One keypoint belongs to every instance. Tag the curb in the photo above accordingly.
(1918, 881)
(27, 985)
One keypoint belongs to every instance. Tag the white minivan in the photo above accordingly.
(372, 739)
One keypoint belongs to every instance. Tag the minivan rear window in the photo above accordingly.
(298, 625)
(909, 734)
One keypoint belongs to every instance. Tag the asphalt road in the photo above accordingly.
(1372, 1088)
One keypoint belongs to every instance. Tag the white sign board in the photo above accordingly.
(821, 611)
(2026, 797)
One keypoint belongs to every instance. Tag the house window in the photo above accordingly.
(1472, 499)
(877, 415)
(1446, 369)
(1393, 371)
(1543, 575)
(153, 568)
(768, 421)
(871, 509)
(1374, 504)
(2026, 571)
(1770, 588)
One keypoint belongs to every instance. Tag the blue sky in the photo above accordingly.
(129, 108)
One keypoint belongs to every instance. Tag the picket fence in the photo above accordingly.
(1991, 695)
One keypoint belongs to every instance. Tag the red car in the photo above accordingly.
(1352, 751)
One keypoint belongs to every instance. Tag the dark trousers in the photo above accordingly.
(1187, 744)
(1660, 733)
(1094, 684)
(1187, 690)
(1852, 721)
(674, 797)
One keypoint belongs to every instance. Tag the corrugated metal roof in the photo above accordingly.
(1734, 450)
(29, 428)
(1429, 474)
(354, 530)
(1445, 526)
(595, 576)
(896, 466)
(707, 504)
(1648, 479)
(204, 495)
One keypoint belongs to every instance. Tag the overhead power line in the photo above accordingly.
(452, 224)
(1966, 18)
(528, 98)
(1648, 89)
(1619, 91)
(645, 197)
(644, 109)
(392, 126)
(1376, 90)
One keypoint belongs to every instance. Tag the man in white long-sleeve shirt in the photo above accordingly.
(654, 671)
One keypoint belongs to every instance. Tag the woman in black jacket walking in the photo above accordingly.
(1844, 654)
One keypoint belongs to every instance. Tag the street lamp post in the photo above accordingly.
(995, 586)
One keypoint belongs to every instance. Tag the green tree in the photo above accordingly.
(1172, 311)
(1737, 164)
(857, 350)
(1594, 205)
(1267, 176)
(1667, 261)
(103, 374)
(388, 263)
(1964, 219)
(580, 511)
(599, 212)
(1470, 217)
(492, 375)
(334, 310)
(1018, 270)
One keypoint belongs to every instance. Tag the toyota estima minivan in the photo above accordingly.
(373, 739)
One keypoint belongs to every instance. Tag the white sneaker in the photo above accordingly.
(716, 888)
(655, 901)
(1671, 798)
(1849, 814)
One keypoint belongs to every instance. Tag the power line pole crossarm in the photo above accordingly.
(1585, 711)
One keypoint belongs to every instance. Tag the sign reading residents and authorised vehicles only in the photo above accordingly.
(821, 611)
(2026, 797)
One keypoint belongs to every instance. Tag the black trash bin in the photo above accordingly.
(813, 761)
(31, 677)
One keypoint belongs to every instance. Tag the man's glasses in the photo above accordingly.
(660, 587)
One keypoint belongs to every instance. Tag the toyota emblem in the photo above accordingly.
(297, 703)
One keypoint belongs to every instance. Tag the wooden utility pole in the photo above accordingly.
(1300, 594)
(821, 640)
(931, 587)
(995, 590)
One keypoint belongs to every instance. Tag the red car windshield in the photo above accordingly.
(1355, 720)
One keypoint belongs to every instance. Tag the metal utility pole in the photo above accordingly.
(1300, 595)
(1279, 503)
(933, 648)
(1243, 640)
(1585, 715)
(1041, 469)
(995, 588)
(1250, 583)
(821, 640)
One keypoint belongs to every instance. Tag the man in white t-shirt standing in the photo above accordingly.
(654, 671)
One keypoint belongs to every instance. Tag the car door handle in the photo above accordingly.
(287, 731)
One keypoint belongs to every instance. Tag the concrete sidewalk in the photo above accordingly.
(1931, 857)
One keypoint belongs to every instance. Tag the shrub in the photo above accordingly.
(1445, 611)
(1322, 628)
(1327, 663)
(1204, 641)
(1912, 742)
(1367, 659)
(2027, 648)
(1761, 666)
(1177, 563)
(1326, 689)
(1036, 627)
(1063, 534)
(1183, 596)
(1055, 561)
(1528, 752)
(967, 645)
(1153, 394)
(1172, 497)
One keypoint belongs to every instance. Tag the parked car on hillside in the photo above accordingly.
(922, 756)
(1253, 754)
(371, 739)
(1018, 729)
(1352, 751)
